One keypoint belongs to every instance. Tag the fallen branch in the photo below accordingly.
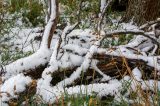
(114, 65)
(149, 24)
(134, 32)
(83, 68)
(151, 61)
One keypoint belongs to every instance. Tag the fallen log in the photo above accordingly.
(115, 66)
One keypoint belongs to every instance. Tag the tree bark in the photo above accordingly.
(142, 11)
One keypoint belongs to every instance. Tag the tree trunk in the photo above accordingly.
(142, 11)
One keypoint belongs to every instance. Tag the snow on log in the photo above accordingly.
(75, 49)
(41, 57)
(54, 64)
(152, 61)
(83, 68)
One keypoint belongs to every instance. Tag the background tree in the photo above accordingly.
(142, 10)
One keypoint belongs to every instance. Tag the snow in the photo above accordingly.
(136, 81)
(44, 43)
(13, 86)
(84, 39)
(68, 59)
(136, 84)
(76, 74)
(24, 37)
(141, 43)
(137, 73)
(151, 85)
(76, 49)
(103, 89)
(75, 60)
(54, 64)
(50, 94)
(128, 26)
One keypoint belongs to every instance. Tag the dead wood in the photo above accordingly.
(115, 66)
(137, 32)
(37, 72)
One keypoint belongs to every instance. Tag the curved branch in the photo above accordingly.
(134, 32)
(149, 24)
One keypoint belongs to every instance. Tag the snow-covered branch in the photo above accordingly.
(152, 61)
(51, 25)
(142, 27)
(133, 32)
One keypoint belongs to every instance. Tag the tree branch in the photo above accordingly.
(55, 21)
(134, 32)
(142, 27)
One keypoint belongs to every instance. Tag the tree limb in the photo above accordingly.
(134, 32)
(142, 27)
